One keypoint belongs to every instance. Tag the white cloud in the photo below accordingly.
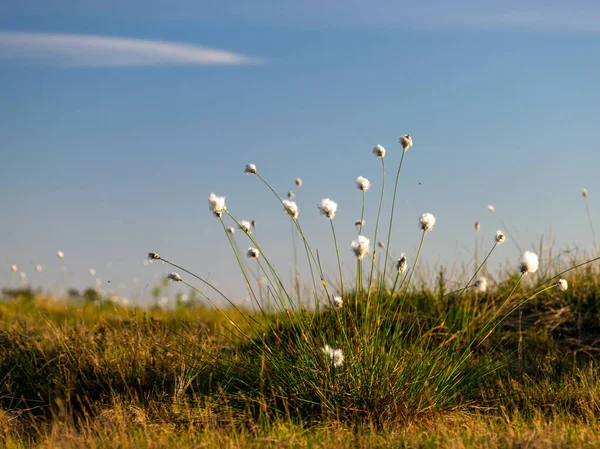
(103, 51)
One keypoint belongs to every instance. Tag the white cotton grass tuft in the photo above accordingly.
(402, 264)
(363, 183)
(152, 257)
(500, 236)
(92, 272)
(245, 226)
(584, 193)
(379, 151)
(328, 208)
(22, 275)
(333, 356)
(299, 182)
(481, 285)
(231, 230)
(174, 277)
(562, 285)
(477, 226)
(250, 169)
(406, 142)
(291, 208)
(60, 254)
(216, 204)
(426, 221)
(491, 208)
(39, 268)
(14, 268)
(337, 302)
(252, 253)
(253, 223)
(529, 262)
(360, 246)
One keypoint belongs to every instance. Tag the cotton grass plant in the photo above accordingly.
(371, 349)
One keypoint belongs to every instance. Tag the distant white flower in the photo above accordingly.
(184, 299)
(39, 268)
(426, 221)
(291, 208)
(290, 195)
(360, 246)
(152, 257)
(174, 277)
(491, 208)
(327, 208)
(22, 275)
(529, 262)
(163, 302)
(481, 284)
(337, 302)
(250, 169)
(333, 356)
(363, 183)
(562, 285)
(298, 182)
(402, 264)
(216, 204)
(406, 142)
(245, 226)
(98, 282)
(92, 272)
(60, 254)
(379, 151)
(477, 226)
(231, 230)
(252, 253)
(14, 268)
(500, 237)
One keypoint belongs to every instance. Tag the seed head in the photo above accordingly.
(245, 226)
(327, 208)
(153, 256)
(406, 142)
(60, 254)
(253, 223)
(92, 272)
(216, 204)
(231, 230)
(14, 268)
(39, 268)
(252, 253)
(291, 208)
(298, 182)
(290, 195)
(426, 221)
(491, 208)
(250, 169)
(481, 285)
(359, 223)
(379, 151)
(477, 226)
(337, 302)
(174, 277)
(363, 183)
(360, 246)
(402, 264)
(529, 262)
(500, 237)
(381, 244)
(562, 285)
(333, 356)
(584, 193)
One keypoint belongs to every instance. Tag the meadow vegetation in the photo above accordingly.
(391, 357)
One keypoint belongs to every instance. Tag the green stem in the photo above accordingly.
(337, 252)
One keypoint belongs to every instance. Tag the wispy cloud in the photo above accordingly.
(105, 51)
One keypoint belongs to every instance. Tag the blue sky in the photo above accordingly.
(111, 141)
